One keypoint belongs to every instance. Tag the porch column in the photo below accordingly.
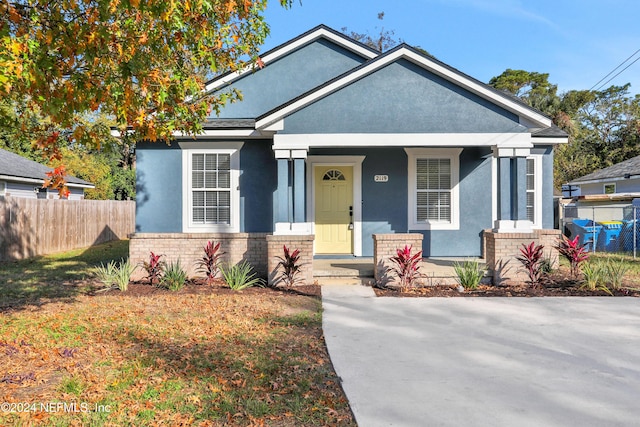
(512, 190)
(290, 201)
(281, 199)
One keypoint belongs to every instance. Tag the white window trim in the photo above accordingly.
(604, 187)
(537, 170)
(220, 148)
(453, 154)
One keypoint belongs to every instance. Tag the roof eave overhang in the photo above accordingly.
(26, 180)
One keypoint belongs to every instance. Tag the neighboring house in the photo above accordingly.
(621, 178)
(335, 143)
(20, 177)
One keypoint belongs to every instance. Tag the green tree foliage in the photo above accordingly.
(603, 126)
(531, 87)
(143, 62)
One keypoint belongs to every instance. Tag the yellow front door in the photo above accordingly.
(334, 208)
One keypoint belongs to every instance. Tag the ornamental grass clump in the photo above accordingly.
(240, 276)
(115, 276)
(532, 258)
(594, 276)
(406, 267)
(469, 274)
(174, 277)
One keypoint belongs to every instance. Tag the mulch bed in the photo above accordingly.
(556, 285)
(503, 291)
(217, 287)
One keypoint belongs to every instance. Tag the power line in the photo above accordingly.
(603, 84)
(614, 70)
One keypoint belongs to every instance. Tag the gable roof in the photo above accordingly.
(627, 168)
(321, 31)
(404, 51)
(17, 168)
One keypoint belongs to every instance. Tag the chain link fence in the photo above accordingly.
(610, 228)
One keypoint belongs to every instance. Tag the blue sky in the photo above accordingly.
(577, 42)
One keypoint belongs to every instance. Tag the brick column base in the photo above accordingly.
(501, 250)
(275, 249)
(385, 246)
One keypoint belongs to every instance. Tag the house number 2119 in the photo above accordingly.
(381, 178)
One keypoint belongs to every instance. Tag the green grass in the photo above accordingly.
(61, 276)
(162, 359)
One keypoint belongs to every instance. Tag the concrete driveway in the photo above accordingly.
(485, 361)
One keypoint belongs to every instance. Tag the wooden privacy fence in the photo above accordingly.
(30, 227)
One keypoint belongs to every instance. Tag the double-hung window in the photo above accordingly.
(211, 199)
(433, 188)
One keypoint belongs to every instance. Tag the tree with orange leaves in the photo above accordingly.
(145, 63)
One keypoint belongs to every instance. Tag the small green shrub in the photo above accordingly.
(469, 274)
(174, 277)
(594, 276)
(115, 275)
(615, 270)
(240, 276)
(123, 274)
(106, 274)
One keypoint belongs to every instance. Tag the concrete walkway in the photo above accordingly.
(485, 361)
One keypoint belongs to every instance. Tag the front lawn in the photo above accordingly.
(246, 358)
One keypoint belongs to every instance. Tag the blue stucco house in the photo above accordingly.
(334, 143)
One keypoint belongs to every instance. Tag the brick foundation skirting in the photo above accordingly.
(501, 250)
(385, 246)
(188, 248)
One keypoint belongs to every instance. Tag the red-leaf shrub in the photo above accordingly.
(574, 252)
(531, 257)
(154, 268)
(209, 264)
(290, 266)
(406, 266)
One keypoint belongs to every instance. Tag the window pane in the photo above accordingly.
(224, 162)
(530, 166)
(224, 198)
(198, 162)
(198, 215)
(198, 198)
(210, 161)
(210, 180)
(224, 179)
(224, 215)
(197, 179)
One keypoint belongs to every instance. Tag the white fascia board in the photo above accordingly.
(18, 179)
(223, 133)
(549, 140)
(306, 141)
(600, 181)
(479, 89)
(290, 47)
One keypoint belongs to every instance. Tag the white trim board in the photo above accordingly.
(356, 163)
(306, 141)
